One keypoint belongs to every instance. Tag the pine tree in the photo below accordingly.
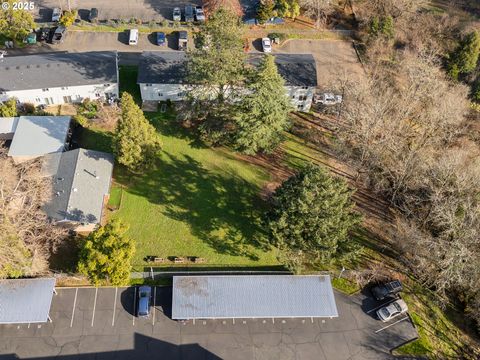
(106, 255)
(265, 10)
(262, 115)
(136, 142)
(465, 57)
(312, 214)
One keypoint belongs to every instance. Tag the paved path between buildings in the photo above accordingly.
(89, 323)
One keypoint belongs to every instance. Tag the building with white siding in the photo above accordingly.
(58, 78)
(163, 76)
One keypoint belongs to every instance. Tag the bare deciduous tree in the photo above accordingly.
(318, 9)
(26, 236)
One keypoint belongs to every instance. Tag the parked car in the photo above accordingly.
(93, 15)
(189, 13)
(59, 35)
(133, 37)
(144, 294)
(327, 99)
(266, 45)
(161, 39)
(392, 310)
(57, 14)
(386, 290)
(199, 14)
(177, 14)
(182, 40)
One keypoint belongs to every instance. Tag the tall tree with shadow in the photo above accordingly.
(136, 143)
(311, 218)
(262, 114)
(216, 67)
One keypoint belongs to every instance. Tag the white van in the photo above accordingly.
(133, 38)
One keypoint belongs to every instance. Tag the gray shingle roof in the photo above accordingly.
(39, 135)
(161, 67)
(57, 70)
(25, 300)
(257, 296)
(82, 179)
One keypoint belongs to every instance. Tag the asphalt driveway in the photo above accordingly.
(89, 323)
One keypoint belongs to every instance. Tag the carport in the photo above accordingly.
(253, 296)
(26, 300)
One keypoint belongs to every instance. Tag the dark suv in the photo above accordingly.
(390, 289)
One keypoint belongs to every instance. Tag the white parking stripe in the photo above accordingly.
(94, 305)
(73, 310)
(378, 307)
(134, 305)
(114, 307)
(386, 327)
(154, 297)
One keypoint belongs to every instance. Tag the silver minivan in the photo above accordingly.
(133, 38)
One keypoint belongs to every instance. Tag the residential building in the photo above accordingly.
(58, 78)
(162, 76)
(81, 186)
(35, 136)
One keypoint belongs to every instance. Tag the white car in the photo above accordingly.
(392, 310)
(267, 45)
(199, 15)
(177, 14)
(327, 99)
(57, 14)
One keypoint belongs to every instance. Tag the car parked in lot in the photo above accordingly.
(144, 294)
(133, 37)
(386, 290)
(392, 310)
(56, 14)
(93, 15)
(266, 45)
(177, 14)
(59, 35)
(199, 14)
(189, 13)
(161, 39)
(182, 40)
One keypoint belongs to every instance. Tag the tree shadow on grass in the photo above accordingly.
(221, 210)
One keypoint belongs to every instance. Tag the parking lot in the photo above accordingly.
(101, 323)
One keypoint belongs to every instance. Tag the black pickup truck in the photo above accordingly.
(389, 289)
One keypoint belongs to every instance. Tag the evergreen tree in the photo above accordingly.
(465, 57)
(476, 91)
(265, 10)
(136, 142)
(312, 216)
(14, 23)
(387, 27)
(217, 70)
(106, 255)
(262, 115)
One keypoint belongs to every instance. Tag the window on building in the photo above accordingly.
(106, 85)
(46, 89)
(302, 98)
(305, 87)
(180, 94)
(160, 94)
(148, 84)
(293, 96)
(299, 107)
(64, 88)
(67, 99)
(97, 94)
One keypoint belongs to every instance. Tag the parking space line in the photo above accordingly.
(378, 307)
(386, 327)
(154, 297)
(73, 310)
(134, 305)
(114, 306)
(94, 305)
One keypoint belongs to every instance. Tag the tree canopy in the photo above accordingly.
(8, 108)
(312, 215)
(106, 254)
(465, 57)
(15, 24)
(136, 142)
(262, 114)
